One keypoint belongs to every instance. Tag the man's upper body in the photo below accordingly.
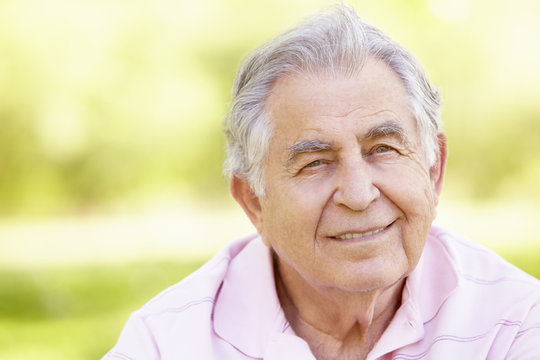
(336, 153)
(461, 300)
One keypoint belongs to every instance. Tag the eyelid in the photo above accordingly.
(308, 165)
(388, 148)
(383, 146)
(307, 147)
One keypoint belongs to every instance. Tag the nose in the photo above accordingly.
(355, 188)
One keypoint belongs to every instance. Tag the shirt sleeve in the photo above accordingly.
(527, 340)
(135, 342)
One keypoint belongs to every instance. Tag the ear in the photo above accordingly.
(242, 193)
(436, 172)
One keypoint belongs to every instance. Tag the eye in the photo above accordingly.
(314, 164)
(382, 149)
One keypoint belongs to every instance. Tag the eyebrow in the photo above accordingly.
(389, 128)
(307, 146)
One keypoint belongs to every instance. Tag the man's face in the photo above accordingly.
(349, 196)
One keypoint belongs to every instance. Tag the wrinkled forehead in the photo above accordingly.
(304, 97)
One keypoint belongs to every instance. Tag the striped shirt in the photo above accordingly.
(461, 302)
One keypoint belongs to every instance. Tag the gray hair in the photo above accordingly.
(333, 41)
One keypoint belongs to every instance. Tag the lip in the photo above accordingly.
(361, 235)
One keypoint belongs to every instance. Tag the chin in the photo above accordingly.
(369, 282)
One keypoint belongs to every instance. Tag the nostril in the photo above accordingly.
(356, 194)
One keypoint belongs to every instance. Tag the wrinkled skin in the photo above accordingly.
(350, 197)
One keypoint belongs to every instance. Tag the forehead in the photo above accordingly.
(301, 102)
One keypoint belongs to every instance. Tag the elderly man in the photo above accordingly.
(337, 156)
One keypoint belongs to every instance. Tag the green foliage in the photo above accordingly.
(76, 313)
(103, 100)
(498, 152)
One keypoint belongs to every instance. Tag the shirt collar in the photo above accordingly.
(247, 312)
(436, 278)
(426, 289)
(248, 315)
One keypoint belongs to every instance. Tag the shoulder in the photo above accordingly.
(494, 307)
(477, 263)
(472, 302)
(198, 288)
(181, 312)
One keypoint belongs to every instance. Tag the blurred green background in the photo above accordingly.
(111, 145)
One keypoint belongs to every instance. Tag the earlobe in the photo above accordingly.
(243, 194)
(437, 170)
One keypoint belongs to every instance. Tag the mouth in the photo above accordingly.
(361, 235)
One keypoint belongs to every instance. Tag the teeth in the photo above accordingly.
(358, 235)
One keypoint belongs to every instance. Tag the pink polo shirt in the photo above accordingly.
(461, 302)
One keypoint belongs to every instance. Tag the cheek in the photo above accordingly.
(409, 187)
(412, 193)
(291, 215)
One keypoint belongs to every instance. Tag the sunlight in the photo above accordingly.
(450, 10)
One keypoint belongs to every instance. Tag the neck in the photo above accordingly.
(332, 321)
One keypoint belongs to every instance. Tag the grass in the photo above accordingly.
(67, 313)
(77, 313)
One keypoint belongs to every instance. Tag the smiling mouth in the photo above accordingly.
(348, 236)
